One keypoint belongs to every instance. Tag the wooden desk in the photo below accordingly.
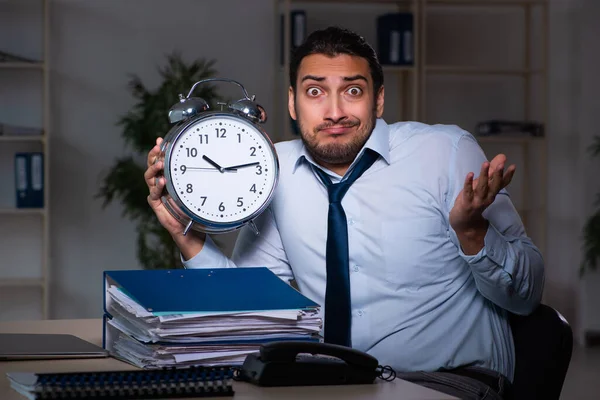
(91, 330)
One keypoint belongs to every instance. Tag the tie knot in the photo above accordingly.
(337, 191)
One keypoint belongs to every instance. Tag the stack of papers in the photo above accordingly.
(167, 318)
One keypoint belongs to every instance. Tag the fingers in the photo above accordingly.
(497, 161)
(155, 180)
(468, 188)
(152, 172)
(156, 189)
(154, 153)
(507, 178)
(153, 175)
(496, 181)
(481, 189)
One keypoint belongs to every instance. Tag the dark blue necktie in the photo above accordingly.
(338, 312)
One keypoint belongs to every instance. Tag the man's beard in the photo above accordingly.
(336, 153)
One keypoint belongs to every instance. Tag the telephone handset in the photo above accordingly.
(299, 363)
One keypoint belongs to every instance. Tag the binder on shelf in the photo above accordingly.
(162, 384)
(297, 31)
(29, 180)
(395, 39)
(186, 317)
(499, 127)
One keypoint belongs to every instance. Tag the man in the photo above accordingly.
(435, 258)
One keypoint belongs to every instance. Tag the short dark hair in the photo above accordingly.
(334, 41)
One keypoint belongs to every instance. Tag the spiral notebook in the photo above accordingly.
(138, 384)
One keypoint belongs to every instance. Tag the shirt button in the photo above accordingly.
(360, 313)
(355, 268)
(350, 221)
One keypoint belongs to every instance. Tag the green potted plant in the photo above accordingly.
(591, 229)
(141, 125)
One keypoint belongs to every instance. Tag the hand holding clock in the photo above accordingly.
(190, 244)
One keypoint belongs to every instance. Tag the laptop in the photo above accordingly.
(31, 346)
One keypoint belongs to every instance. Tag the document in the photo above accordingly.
(147, 325)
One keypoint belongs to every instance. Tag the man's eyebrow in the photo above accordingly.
(355, 78)
(313, 78)
(346, 78)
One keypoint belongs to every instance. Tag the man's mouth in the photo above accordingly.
(337, 129)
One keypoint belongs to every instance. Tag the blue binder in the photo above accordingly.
(179, 291)
(297, 31)
(29, 180)
(395, 39)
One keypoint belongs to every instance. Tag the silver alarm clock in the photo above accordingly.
(220, 166)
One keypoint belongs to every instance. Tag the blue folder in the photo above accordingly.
(179, 291)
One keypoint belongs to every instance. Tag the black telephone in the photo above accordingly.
(297, 363)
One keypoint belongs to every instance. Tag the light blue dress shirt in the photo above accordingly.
(418, 302)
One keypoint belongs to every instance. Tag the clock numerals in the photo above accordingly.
(258, 170)
(221, 207)
(240, 202)
(203, 199)
(203, 139)
(191, 151)
(221, 132)
(239, 138)
(189, 188)
(253, 151)
(183, 168)
(253, 188)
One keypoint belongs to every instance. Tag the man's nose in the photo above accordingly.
(335, 110)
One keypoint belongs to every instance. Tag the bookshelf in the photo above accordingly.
(531, 74)
(412, 88)
(25, 264)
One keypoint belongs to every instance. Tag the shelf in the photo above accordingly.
(460, 70)
(24, 138)
(22, 211)
(21, 65)
(510, 139)
(484, 3)
(21, 282)
(356, 1)
(398, 68)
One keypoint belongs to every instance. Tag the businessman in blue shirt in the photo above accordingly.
(434, 253)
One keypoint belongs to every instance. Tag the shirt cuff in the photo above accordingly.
(209, 257)
(493, 252)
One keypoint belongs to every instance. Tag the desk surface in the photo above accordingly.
(91, 330)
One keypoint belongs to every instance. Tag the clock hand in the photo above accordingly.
(207, 169)
(214, 164)
(235, 167)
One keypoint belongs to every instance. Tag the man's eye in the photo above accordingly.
(313, 91)
(355, 91)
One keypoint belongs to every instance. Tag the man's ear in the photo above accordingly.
(291, 103)
(380, 101)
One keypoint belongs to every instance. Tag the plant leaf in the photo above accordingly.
(594, 148)
(141, 125)
(591, 241)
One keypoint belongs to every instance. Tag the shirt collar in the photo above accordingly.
(379, 141)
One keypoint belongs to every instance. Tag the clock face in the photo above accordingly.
(222, 169)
